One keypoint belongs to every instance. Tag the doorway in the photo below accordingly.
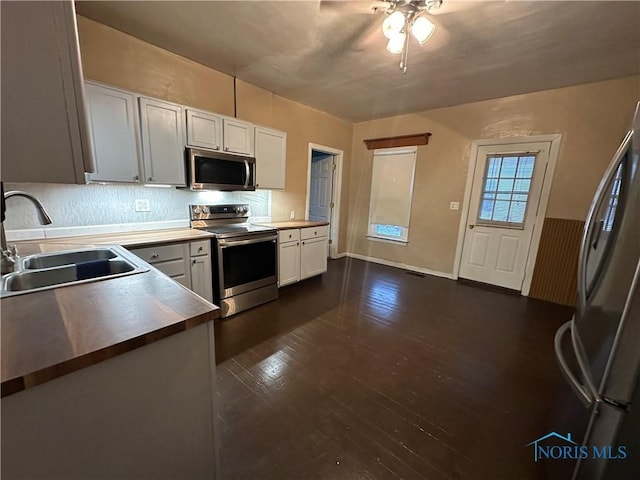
(505, 204)
(324, 180)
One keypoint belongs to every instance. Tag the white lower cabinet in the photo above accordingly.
(313, 257)
(289, 257)
(188, 263)
(302, 254)
(200, 269)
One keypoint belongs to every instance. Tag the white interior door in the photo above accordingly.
(320, 189)
(502, 212)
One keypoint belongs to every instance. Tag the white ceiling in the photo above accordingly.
(336, 61)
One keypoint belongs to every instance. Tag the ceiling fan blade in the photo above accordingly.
(454, 6)
(353, 7)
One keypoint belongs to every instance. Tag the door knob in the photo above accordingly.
(471, 226)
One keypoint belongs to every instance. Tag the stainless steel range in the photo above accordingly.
(245, 259)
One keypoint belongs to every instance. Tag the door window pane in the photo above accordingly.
(505, 192)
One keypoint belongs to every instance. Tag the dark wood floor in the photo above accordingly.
(369, 372)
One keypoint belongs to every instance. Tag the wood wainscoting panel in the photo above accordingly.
(555, 274)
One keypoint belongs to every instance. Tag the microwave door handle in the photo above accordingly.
(590, 223)
(247, 174)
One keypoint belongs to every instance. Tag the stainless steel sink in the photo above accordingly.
(60, 269)
(49, 260)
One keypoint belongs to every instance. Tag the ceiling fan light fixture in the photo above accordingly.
(422, 29)
(396, 42)
(393, 24)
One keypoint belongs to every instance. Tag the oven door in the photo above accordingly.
(246, 263)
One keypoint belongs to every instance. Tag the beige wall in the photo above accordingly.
(115, 58)
(592, 119)
(303, 125)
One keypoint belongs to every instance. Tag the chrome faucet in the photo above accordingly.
(7, 260)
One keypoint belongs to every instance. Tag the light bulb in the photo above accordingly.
(422, 29)
(393, 24)
(396, 42)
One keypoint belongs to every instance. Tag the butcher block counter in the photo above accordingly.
(50, 333)
(291, 224)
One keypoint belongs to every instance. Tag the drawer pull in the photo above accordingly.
(154, 256)
(315, 233)
(200, 249)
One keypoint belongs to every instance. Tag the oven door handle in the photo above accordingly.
(236, 243)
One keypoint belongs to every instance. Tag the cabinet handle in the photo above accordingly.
(150, 179)
(154, 256)
(136, 178)
(297, 244)
(315, 233)
(200, 249)
(303, 243)
(193, 262)
(217, 147)
(226, 149)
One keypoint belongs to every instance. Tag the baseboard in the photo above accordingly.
(402, 266)
(339, 255)
(61, 232)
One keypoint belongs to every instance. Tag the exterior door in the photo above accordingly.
(321, 188)
(502, 211)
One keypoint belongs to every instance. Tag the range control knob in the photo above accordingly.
(197, 210)
(245, 209)
(238, 209)
(205, 209)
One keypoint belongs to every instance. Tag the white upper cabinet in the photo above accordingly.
(238, 136)
(204, 130)
(162, 142)
(113, 119)
(271, 158)
(45, 133)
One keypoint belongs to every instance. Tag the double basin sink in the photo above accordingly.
(60, 269)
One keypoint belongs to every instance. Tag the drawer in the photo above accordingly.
(172, 268)
(200, 248)
(161, 253)
(291, 235)
(313, 232)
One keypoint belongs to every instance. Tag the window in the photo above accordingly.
(505, 193)
(391, 193)
(614, 195)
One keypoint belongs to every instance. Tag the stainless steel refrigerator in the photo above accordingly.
(599, 349)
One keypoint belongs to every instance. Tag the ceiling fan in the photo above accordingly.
(404, 18)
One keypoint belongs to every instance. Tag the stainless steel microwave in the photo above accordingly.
(211, 170)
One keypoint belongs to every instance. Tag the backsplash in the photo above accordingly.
(85, 205)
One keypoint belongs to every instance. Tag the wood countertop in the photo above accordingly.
(50, 333)
(133, 239)
(289, 224)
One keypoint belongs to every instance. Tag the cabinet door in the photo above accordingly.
(238, 136)
(162, 142)
(313, 257)
(114, 128)
(271, 157)
(201, 277)
(288, 263)
(45, 132)
(204, 130)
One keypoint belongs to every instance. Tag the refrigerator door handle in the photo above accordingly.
(580, 390)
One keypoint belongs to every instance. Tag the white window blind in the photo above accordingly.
(391, 193)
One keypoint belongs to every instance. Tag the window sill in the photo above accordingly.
(402, 243)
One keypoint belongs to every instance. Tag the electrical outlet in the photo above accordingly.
(142, 205)
(292, 214)
(454, 206)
